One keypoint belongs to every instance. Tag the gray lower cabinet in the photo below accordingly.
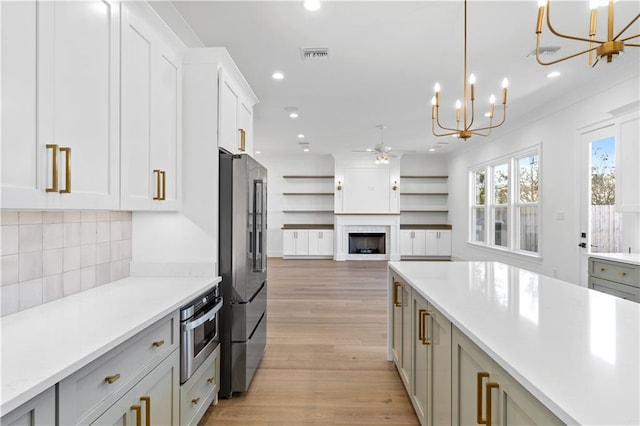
(483, 393)
(39, 411)
(201, 390)
(615, 278)
(402, 331)
(152, 401)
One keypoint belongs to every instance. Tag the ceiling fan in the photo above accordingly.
(381, 151)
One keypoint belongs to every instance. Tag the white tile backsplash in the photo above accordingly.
(10, 239)
(47, 255)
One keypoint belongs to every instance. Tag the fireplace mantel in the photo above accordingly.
(387, 223)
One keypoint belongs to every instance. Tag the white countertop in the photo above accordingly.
(43, 345)
(632, 258)
(575, 349)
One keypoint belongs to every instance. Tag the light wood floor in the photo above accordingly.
(325, 361)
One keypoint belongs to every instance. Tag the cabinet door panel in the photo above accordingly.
(396, 338)
(439, 368)
(419, 243)
(444, 243)
(407, 334)
(406, 242)
(136, 114)
(302, 243)
(288, 243)
(79, 97)
(164, 132)
(431, 243)
(228, 115)
(22, 183)
(419, 386)
(245, 122)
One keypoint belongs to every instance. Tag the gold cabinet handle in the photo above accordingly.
(158, 184)
(622, 274)
(147, 409)
(138, 411)
(164, 185)
(243, 140)
(158, 343)
(602, 269)
(421, 325)
(488, 387)
(423, 320)
(396, 302)
(112, 379)
(194, 401)
(54, 168)
(67, 170)
(479, 420)
(210, 380)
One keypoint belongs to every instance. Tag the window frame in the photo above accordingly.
(513, 204)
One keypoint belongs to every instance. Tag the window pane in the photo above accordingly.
(529, 228)
(501, 234)
(528, 178)
(478, 224)
(480, 187)
(501, 183)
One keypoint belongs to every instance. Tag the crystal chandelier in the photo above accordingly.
(464, 129)
(612, 46)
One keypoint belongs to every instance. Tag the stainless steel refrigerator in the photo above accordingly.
(243, 266)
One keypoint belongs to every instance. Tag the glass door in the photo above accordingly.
(600, 223)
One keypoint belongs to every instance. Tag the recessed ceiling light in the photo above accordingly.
(293, 115)
(306, 150)
(553, 74)
(300, 136)
(369, 149)
(312, 5)
(432, 149)
(277, 75)
(257, 152)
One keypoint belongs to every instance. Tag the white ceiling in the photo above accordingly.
(384, 58)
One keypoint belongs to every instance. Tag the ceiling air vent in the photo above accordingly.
(545, 51)
(314, 53)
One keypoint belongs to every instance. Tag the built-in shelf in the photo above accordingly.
(307, 226)
(307, 211)
(307, 193)
(424, 211)
(308, 176)
(433, 226)
(423, 177)
(424, 193)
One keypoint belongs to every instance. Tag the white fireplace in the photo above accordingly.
(373, 225)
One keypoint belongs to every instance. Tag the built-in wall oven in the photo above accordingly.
(198, 331)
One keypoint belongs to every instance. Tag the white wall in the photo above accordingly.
(557, 129)
(295, 164)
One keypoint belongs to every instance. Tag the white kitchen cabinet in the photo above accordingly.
(66, 60)
(152, 401)
(430, 387)
(320, 242)
(412, 242)
(235, 114)
(150, 109)
(295, 243)
(438, 243)
(39, 411)
(627, 159)
(401, 328)
(484, 393)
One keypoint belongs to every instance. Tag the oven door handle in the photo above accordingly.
(190, 325)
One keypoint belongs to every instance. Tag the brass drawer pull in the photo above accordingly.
(147, 411)
(158, 185)
(54, 168)
(164, 185)
(479, 419)
(210, 380)
(623, 274)
(67, 170)
(112, 379)
(602, 269)
(138, 410)
(194, 401)
(488, 387)
(243, 139)
(423, 319)
(396, 302)
(158, 343)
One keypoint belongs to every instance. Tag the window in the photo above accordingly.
(504, 199)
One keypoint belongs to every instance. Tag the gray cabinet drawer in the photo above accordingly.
(613, 271)
(200, 391)
(616, 289)
(87, 393)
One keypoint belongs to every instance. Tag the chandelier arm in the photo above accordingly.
(570, 37)
(493, 126)
(561, 59)
(441, 126)
(630, 37)
(473, 116)
(433, 130)
(632, 44)
(475, 132)
(627, 27)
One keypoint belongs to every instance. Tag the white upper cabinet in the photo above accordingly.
(235, 115)
(628, 158)
(60, 130)
(151, 75)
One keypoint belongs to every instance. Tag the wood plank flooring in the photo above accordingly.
(325, 361)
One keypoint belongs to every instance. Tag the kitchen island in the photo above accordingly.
(44, 345)
(573, 350)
